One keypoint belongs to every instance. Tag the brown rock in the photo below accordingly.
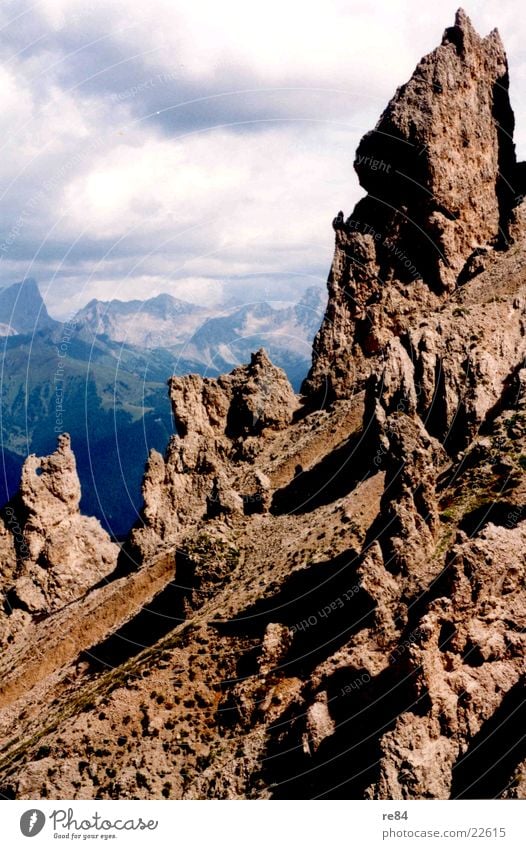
(442, 180)
(353, 577)
(62, 554)
(214, 420)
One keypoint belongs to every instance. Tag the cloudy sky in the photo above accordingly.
(199, 147)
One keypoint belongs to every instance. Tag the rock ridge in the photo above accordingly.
(331, 596)
(443, 189)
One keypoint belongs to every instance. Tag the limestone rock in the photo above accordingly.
(320, 724)
(215, 420)
(62, 553)
(443, 182)
(445, 139)
(468, 657)
(10, 531)
(347, 616)
(276, 643)
(239, 404)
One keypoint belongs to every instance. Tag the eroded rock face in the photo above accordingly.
(447, 138)
(442, 180)
(58, 553)
(468, 656)
(240, 404)
(218, 424)
(452, 369)
(355, 576)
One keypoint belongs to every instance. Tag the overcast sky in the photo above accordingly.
(198, 147)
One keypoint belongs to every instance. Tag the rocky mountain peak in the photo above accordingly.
(441, 158)
(465, 38)
(442, 182)
(300, 570)
(22, 309)
(243, 402)
(222, 424)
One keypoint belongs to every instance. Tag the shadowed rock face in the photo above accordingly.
(331, 603)
(442, 180)
(447, 138)
(218, 423)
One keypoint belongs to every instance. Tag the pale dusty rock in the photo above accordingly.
(469, 654)
(320, 724)
(442, 179)
(242, 403)
(409, 504)
(61, 554)
(50, 488)
(446, 136)
(341, 595)
(276, 643)
(214, 419)
(9, 529)
(453, 368)
(416, 762)
(462, 360)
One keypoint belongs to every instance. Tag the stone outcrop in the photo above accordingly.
(453, 368)
(334, 594)
(469, 655)
(219, 424)
(442, 184)
(57, 554)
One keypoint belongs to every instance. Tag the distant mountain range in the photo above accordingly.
(102, 377)
(159, 322)
(210, 341)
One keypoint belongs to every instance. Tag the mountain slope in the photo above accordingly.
(101, 376)
(159, 322)
(325, 596)
(108, 398)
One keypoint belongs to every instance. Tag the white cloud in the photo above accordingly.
(235, 186)
(217, 203)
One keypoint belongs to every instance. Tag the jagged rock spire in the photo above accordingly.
(440, 171)
(218, 422)
(447, 139)
(60, 554)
